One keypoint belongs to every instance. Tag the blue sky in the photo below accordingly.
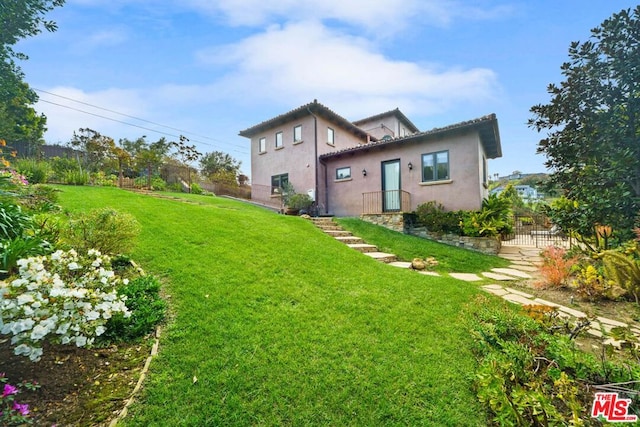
(210, 68)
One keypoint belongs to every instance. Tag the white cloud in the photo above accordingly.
(385, 16)
(302, 61)
(101, 39)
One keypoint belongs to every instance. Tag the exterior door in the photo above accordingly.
(391, 186)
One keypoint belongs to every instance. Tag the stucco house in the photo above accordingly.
(378, 164)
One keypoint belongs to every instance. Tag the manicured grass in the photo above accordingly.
(283, 325)
(450, 259)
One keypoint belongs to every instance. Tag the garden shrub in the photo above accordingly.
(158, 184)
(556, 267)
(107, 230)
(36, 171)
(21, 247)
(102, 179)
(623, 270)
(64, 298)
(40, 198)
(13, 221)
(528, 375)
(75, 177)
(147, 310)
(60, 166)
(590, 285)
(13, 413)
(433, 216)
(196, 189)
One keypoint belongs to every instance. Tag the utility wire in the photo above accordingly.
(131, 117)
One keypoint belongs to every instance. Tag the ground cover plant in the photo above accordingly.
(275, 323)
(52, 295)
(450, 259)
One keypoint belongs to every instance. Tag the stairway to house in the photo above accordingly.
(331, 228)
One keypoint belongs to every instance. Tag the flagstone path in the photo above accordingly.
(524, 266)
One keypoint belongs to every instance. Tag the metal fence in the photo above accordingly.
(386, 201)
(538, 231)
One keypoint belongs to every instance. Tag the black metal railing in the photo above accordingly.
(386, 201)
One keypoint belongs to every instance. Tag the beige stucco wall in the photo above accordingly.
(462, 191)
(296, 159)
(392, 127)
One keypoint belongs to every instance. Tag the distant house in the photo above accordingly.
(526, 192)
(375, 165)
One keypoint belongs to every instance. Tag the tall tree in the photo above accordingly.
(20, 19)
(216, 162)
(99, 150)
(593, 125)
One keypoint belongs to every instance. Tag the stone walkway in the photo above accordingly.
(524, 266)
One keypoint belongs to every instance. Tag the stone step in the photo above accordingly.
(322, 220)
(329, 227)
(349, 240)
(338, 233)
(381, 256)
(363, 247)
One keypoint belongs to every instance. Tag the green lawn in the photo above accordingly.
(450, 259)
(283, 325)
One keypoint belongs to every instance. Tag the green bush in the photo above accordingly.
(147, 310)
(433, 216)
(75, 178)
(18, 248)
(531, 375)
(104, 180)
(36, 171)
(158, 184)
(40, 198)
(107, 230)
(300, 201)
(176, 187)
(196, 189)
(60, 166)
(13, 221)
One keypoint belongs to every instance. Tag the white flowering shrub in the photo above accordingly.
(63, 298)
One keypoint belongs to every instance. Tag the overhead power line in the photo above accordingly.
(132, 117)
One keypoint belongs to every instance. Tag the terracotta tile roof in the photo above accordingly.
(487, 127)
(397, 113)
(314, 107)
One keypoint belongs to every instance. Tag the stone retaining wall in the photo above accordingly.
(404, 223)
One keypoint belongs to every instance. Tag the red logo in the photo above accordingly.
(612, 408)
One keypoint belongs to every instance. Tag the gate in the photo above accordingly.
(538, 231)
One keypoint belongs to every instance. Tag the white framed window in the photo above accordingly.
(331, 136)
(435, 166)
(343, 173)
(297, 133)
(278, 139)
(262, 145)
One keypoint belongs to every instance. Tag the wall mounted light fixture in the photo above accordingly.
(410, 166)
(364, 172)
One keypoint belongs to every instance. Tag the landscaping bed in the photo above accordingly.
(77, 386)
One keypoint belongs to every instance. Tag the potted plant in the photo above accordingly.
(298, 202)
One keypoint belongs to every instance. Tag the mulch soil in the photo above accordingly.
(77, 386)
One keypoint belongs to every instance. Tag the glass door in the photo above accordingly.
(391, 186)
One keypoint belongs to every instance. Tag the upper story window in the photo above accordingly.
(331, 136)
(297, 133)
(262, 145)
(435, 166)
(343, 173)
(278, 139)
